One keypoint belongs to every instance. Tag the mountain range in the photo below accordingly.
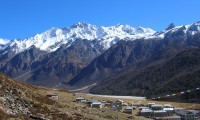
(58, 54)
(139, 61)
(53, 38)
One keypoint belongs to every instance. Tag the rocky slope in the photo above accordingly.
(25, 102)
(177, 74)
(22, 62)
(63, 64)
(114, 59)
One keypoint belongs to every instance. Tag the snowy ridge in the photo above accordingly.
(53, 38)
(4, 41)
(189, 29)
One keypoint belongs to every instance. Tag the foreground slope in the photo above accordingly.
(26, 102)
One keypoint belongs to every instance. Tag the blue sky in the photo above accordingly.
(25, 18)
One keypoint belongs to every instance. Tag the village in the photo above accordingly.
(150, 110)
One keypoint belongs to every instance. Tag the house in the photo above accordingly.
(160, 113)
(157, 107)
(119, 102)
(125, 104)
(168, 118)
(178, 109)
(83, 101)
(97, 105)
(137, 104)
(142, 108)
(150, 104)
(195, 111)
(52, 95)
(78, 99)
(115, 106)
(187, 115)
(146, 113)
(168, 106)
(107, 104)
(91, 101)
(104, 101)
(169, 110)
(128, 110)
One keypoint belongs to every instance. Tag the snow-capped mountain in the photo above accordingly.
(126, 56)
(53, 38)
(190, 29)
(4, 41)
(84, 51)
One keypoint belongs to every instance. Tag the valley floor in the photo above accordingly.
(66, 100)
(67, 105)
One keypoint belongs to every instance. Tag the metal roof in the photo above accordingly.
(129, 107)
(168, 108)
(159, 111)
(93, 101)
(167, 105)
(151, 103)
(146, 110)
(96, 103)
(157, 105)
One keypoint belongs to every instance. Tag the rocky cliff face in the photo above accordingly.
(115, 59)
(22, 62)
(63, 64)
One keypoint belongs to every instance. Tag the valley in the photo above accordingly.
(64, 107)
(102, 63)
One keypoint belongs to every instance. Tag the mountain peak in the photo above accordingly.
(119, 24)
(197, 23)
(170, 26)
(81, 24)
